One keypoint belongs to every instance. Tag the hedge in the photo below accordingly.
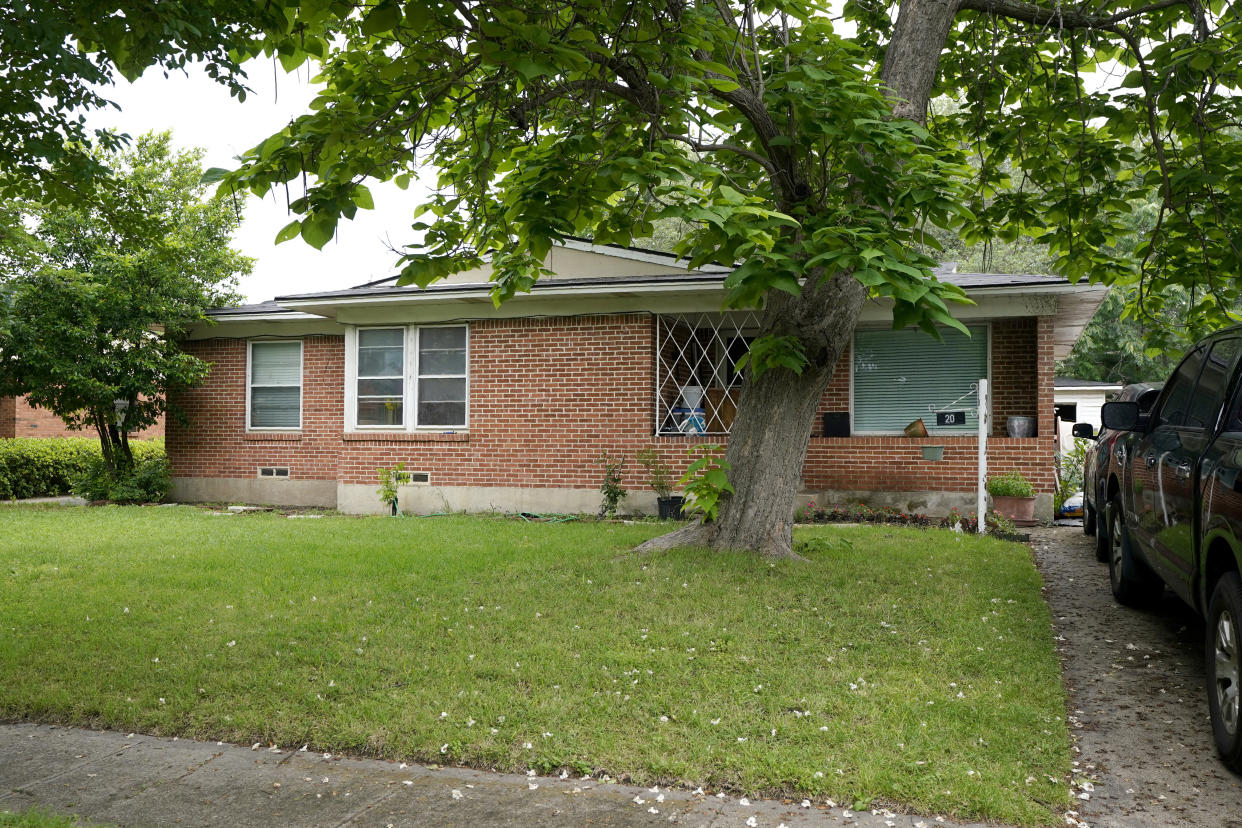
(45, 467)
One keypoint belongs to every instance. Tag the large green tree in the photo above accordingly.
(94, 298)
(802, 149)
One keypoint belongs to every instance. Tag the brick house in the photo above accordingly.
(18, 418)
(509, 408)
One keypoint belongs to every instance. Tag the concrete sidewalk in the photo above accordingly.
(131, 779)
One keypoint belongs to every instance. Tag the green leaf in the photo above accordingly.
(289, 231)
(382, 18)
(318, 231)
(362, 197)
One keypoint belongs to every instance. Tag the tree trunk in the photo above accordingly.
(771, 433)
(772, 430)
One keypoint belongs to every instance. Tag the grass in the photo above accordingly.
(899, 666)
(38, 818)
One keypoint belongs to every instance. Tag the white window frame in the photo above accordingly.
(931, 429)
(301, 383)
(410, 388)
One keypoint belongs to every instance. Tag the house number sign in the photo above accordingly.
(950, 418)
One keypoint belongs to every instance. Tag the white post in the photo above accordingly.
(985, 420)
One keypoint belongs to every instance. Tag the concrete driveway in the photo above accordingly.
(1137, 698)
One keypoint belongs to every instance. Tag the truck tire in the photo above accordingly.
(1101, 538)
(1133, 582)
(1224, 662)
(1088, 519)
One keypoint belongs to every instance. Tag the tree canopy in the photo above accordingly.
(798, 141)
(96, 297)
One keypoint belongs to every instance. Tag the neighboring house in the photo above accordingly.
(509, 408)
(18, 418)
(1079, 401)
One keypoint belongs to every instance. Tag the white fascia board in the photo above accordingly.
(288, 316)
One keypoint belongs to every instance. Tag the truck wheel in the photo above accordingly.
(1088, 519)
(1101, 538)
(1133, 582)
(1224, 662)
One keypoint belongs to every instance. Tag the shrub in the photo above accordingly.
(1010, 484)
(147, 482)
(611, 487)
(41, 467)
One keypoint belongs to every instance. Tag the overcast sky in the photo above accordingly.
(200, 113)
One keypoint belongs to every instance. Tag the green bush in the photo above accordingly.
(147, 482)
(42, 467)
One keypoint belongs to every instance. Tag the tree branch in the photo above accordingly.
(699, 146)
(1063, 17)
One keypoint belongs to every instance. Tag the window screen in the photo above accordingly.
(381, 377)
(902, 376)
(275, 385)
(442, 376)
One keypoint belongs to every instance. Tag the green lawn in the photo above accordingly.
(909, 667)
(38, 818)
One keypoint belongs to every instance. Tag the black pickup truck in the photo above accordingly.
(1173, 513)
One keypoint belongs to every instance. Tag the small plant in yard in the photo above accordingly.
(997, 524)
(706, 480)
(1010, 484)
(611, 487)
(1069, 472)
(389, 481)
(659, 474)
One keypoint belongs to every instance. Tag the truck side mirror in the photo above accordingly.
(1083, 431)
(1120, 416)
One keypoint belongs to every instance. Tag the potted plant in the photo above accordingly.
(660, 479)
(1013, 496)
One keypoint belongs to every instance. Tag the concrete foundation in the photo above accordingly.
(936, 504)
(266, 491)
(423, 500)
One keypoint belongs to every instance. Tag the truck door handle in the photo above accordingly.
(1150, 457)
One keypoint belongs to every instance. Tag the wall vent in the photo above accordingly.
(274, 471)
(414, 478)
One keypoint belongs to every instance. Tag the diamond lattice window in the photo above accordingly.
(697, 390)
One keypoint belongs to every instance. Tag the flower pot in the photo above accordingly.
(670, 507)
(933, 452)
(1020, 426)
(1020, 509)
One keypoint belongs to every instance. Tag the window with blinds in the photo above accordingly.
(902, 376)
(275, 393)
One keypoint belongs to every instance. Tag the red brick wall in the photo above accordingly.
(214, 441)
(18, 418)
(548, 395)
(7, 414)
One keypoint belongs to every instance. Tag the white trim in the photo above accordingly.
(275, 316)
(250, 343)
